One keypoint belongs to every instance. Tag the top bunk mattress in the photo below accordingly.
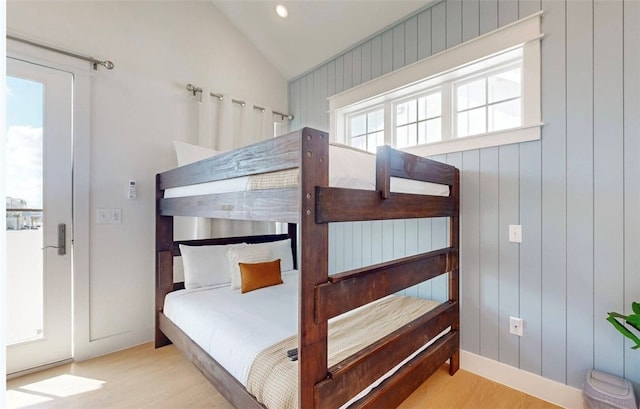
(348, 168)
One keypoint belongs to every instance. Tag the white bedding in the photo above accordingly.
(234, 328)
(348, 168)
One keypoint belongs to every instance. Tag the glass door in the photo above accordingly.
(38, 202)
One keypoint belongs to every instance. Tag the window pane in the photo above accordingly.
(402, 137)
(504, 85)
(406, 136)
(471, 94)
(359, 142)
(24, 234)
(422, 108)
(413, 111)
(422, 132)
(374, 140)
(472, 122)
(402, 115)
(434, 130)
(434, 105)
(477, 121)
(429, 131)
(429, 106)
(375, 121)
(504, 115)
(406, 112)
(463, 124)
(357, 125)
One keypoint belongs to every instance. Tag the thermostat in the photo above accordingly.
(132, 189)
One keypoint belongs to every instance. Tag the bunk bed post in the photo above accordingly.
(164, 262)
(454, 272)
(314, 158)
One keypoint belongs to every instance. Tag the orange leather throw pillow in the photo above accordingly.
(259, 275)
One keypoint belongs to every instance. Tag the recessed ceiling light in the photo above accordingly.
(282, 11)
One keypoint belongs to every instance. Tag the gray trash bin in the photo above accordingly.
(605, 391)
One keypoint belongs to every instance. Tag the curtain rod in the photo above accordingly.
(194, 90)
(107, 64)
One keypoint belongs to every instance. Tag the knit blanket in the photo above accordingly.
(273, 378)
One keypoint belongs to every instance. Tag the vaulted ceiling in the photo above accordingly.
(315, 30)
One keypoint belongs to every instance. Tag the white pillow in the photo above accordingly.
(206, 265)
(187, 153)
(244, 254)
(280, 249)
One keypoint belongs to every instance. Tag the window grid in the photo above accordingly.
(448, 117)
(490, 104)
(413, 132)
(485, 76)
(371, 135)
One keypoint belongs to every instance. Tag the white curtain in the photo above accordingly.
(227, 125)
(224, 125)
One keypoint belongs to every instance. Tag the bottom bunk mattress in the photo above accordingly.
(249, 334)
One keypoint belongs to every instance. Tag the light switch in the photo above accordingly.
(515, 233)
(109, 216)
(104, 216)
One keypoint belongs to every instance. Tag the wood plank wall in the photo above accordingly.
(576, 192)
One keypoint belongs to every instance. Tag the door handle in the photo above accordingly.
(62, 239)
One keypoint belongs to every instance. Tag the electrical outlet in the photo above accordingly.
(516, 326)
(515, 233)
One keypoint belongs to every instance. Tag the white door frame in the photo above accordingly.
(79, 235)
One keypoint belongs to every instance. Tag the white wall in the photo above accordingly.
(137, 110)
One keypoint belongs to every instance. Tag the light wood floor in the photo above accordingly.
(144, 377)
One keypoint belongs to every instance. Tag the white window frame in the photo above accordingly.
(414, 97)
(366, 111)
(485, 74)
(447, 66)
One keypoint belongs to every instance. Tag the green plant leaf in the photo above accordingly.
(623, 330)
(618, 326)
(634, 321)
(635, 307)
(617, 315)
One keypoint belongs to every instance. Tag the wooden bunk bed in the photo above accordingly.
(308, 208)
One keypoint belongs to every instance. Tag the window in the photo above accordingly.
(485, 92)
(480, 98)
(418, 120)
(488, 103)
(366, 130)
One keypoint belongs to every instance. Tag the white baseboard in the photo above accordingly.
(527, 382)
(84, 349)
